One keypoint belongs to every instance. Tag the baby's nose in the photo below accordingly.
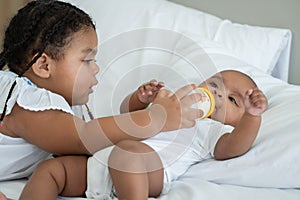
(217, 94)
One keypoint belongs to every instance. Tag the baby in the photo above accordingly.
(142, 169)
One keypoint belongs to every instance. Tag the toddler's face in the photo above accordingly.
(229, 89)
(76, 72)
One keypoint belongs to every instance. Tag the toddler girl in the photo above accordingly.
(49, 49)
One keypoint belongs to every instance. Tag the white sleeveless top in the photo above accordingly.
(18, 158)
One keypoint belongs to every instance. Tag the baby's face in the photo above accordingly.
(229, 89)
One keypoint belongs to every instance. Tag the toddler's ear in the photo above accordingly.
(42, 66)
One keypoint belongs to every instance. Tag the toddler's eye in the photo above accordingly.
(232, 100)
(88, 61)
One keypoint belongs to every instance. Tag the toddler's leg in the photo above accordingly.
(136, 171)
(64, 176)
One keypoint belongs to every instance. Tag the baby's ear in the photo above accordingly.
(42, 66)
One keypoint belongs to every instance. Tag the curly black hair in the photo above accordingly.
(42, 26)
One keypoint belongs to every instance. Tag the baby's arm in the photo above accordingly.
(240, 140)
(142, 97)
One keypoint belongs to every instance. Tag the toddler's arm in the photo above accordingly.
(240, 140)
(142, 97)
(67, 134)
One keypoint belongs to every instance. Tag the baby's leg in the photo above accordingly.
(136, 171)
(64, 176)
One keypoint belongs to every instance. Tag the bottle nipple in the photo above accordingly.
(207, 104)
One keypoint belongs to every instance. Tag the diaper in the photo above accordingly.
(99, 183)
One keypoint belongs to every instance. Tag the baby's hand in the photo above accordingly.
(147, 92)
(256, 102)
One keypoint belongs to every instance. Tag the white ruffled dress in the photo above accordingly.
(18, 158)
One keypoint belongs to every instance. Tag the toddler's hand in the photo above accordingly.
(172, 111)
(147, 92)
(256, 102)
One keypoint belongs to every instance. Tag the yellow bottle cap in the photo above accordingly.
(212, 102)
(207, 104)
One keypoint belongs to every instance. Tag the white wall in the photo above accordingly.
(273, 13)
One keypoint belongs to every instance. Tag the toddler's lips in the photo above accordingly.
(93, 85)
(91, 90)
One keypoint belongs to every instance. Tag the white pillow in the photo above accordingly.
(258, 46)
(134, 14)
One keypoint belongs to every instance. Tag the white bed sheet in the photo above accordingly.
(191, 189)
